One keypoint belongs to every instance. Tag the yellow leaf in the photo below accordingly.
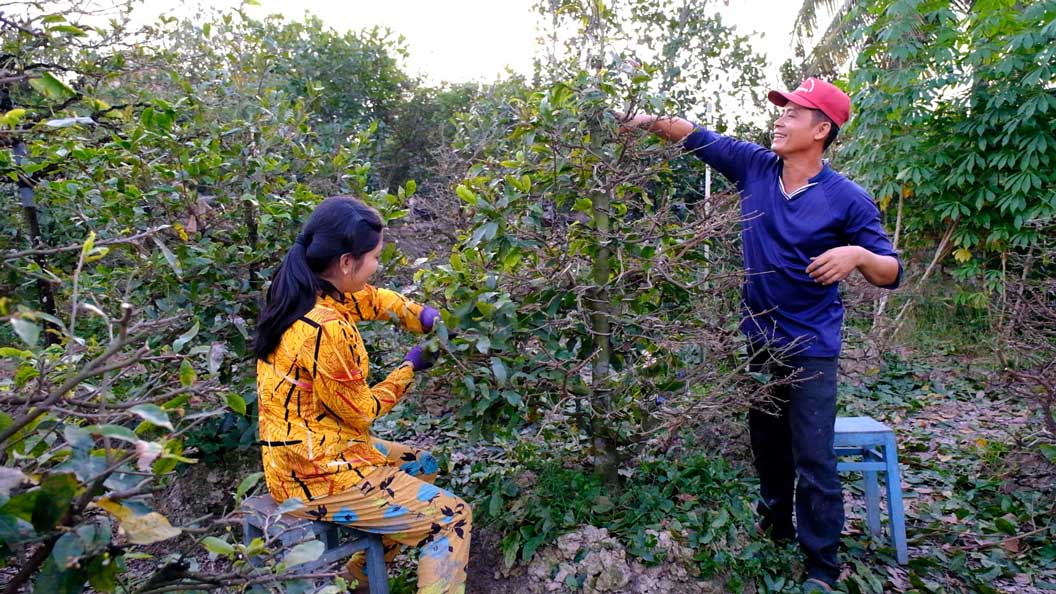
(99, 104)
(89, 244)
(144, 529)
(116, 509)
(149, 528)
(11, 118)
(97, 254)
(981, 442)
(962, 255)
(181, 231)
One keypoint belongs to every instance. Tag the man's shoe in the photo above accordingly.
(814, 585)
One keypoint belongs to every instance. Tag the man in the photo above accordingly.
(806, 228)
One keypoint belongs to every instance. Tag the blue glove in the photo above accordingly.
(428, 317)
(421, 357)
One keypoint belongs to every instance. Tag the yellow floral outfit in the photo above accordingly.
(316, 409)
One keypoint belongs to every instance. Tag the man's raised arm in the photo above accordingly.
(670, 128)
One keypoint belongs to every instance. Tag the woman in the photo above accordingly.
(316, 406)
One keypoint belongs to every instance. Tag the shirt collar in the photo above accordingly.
(825, 172)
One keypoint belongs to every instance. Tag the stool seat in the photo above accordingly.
(262, 516)
(874, 443)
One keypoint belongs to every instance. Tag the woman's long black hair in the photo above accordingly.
(338, 225)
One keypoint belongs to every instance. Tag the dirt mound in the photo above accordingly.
(590, 561)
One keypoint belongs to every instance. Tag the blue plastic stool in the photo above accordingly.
(874, 442)
(260, 514)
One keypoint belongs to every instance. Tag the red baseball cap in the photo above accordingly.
(817, 94)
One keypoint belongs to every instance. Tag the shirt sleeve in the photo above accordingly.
(337, 381)
(372, 303)
(731, 157)
(864, 229)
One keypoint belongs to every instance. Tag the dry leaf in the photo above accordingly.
(1011, 545)
(146, 453)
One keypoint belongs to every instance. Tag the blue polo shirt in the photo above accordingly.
(781, 232)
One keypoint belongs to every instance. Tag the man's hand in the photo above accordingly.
(669, 128)
(835, 264)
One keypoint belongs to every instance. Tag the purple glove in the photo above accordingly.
(420, 358)
(428, 318)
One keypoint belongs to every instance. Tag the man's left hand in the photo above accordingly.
(835, 264)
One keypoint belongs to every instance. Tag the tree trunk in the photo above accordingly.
(45, 293)
(249, 214)
(599, 302)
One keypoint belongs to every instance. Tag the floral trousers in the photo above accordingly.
(400, 502)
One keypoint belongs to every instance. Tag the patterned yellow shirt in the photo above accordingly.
(316, 406)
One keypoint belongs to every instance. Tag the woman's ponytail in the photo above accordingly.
(338, 225)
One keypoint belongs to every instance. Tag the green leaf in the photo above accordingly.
(78, 438)
(102, 573)
(95, 535)
(25, 373)
(236, 403)
(68, 30)
(16, 353)
(721, 519)
(26, 330)
(510, 545)
(306, 552)
(68, 550)
(14, 530)
(495, 503)
(153, 414)
(187, 374)
(218, 546)
(247, 483)
(1049, 451)
(170, 257)
(183, 339)
(56, 493)
(466, 195)
(1005, 525)
(51, 87)
(114, 431)
(53, 579)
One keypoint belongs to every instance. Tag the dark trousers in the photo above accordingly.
(792, 438)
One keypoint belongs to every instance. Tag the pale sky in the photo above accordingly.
(464, 40)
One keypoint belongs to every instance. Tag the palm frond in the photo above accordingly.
(807, 20)
(836, 46)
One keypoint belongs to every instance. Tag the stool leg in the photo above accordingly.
(894, 501)
(331, 537)
(376, 574)
(872, 499)
(249, 532)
